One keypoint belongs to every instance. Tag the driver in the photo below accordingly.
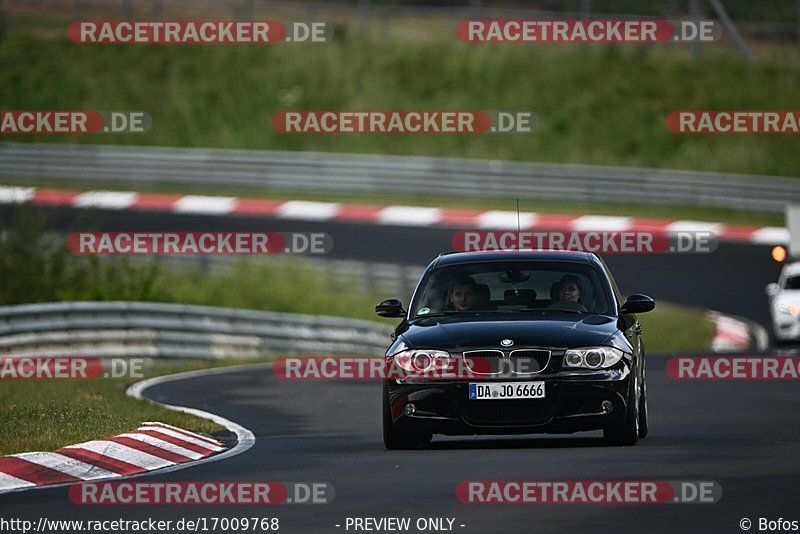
(570, 289)
(462, 294)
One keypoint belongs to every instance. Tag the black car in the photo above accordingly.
(533, 342)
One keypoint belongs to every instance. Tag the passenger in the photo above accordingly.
(462, 294)
(570, 289)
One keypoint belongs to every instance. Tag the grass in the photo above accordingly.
(670, 211)
(671, 328)
(44, 271)
(43, 415)
(596, 104)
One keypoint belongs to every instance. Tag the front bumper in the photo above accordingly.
(572, 403)
(786, 328)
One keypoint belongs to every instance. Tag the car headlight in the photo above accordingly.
(592, 358)
(788, 309)
(422, 361)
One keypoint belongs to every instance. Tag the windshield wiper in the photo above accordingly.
(440, 314)
(552, 310)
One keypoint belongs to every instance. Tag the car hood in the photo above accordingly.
(463, 332)
(791, 296)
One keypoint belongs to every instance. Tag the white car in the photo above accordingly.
(784, 303)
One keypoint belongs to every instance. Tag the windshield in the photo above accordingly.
(512, 286)
(792, 283)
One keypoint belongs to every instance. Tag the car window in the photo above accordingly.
(515, 285)
(793, 282)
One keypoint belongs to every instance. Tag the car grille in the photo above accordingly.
(526, 361)
(507, 412)
(517, 362)
(484, 362)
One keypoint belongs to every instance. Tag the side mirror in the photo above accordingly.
(772, 289)
(638, 304)
(390, 308)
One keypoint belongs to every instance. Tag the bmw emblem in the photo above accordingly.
(507, 342)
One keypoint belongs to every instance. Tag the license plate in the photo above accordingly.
(506, 390)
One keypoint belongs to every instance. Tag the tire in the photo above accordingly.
(394, 440)
(643, 429)
(628, 432)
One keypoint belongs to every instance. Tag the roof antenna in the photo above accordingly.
(519, 238)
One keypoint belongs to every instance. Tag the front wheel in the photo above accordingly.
(628, 432)
(643, 411)
(394, 440)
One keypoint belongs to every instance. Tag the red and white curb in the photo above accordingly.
(388, 215)
(736, 334)
(153, 448)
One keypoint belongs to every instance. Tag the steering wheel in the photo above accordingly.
(567, 305)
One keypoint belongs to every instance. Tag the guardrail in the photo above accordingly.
(157, 330)
(265, 170)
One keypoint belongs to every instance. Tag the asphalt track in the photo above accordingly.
(743, 435)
